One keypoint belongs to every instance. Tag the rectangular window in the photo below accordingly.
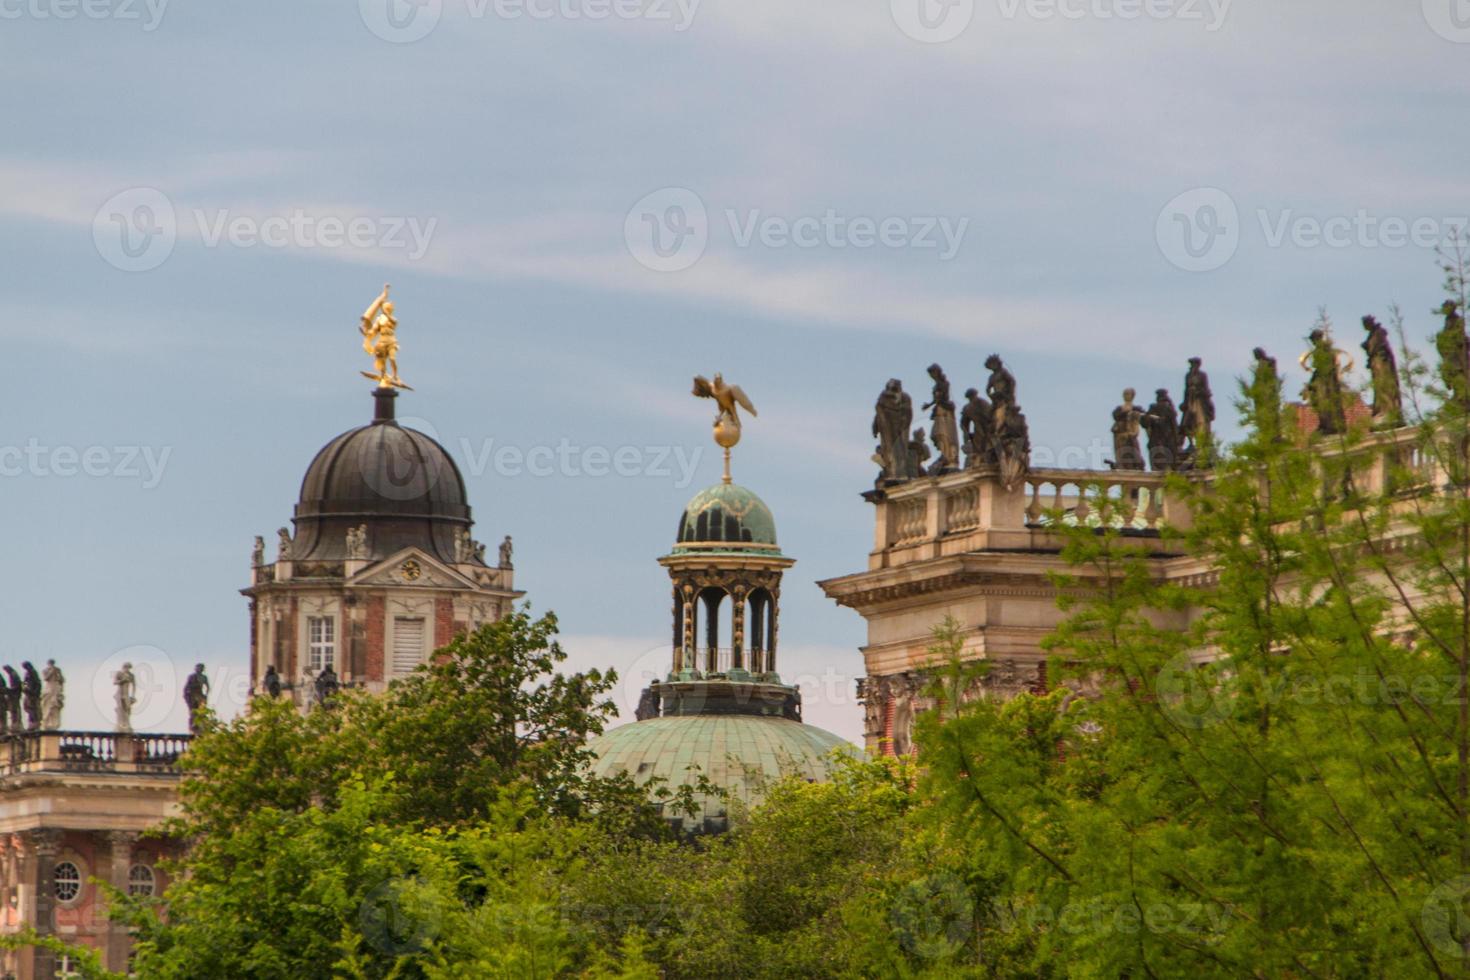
(408, 644)
(321, 642)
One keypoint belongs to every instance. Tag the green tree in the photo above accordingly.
(1269, 773)
(443, 800)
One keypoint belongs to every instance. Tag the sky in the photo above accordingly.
(580, 204)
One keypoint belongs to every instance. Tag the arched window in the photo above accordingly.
(67, 880)
(756, 629)
(712, 598)
(140, 880)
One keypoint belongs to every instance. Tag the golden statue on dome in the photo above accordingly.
(380, 339)
(727, 423)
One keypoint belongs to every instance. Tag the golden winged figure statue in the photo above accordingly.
(727, 423)
(380, 339)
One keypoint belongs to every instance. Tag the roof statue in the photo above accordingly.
(380, 339)
(1388, 401)
(727, 423)
(1324, 392)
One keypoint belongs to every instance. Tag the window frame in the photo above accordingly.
(134, 880)
(81, 882)
(320, 652)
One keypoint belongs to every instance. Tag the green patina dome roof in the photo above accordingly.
(728, 515)
(741, 753)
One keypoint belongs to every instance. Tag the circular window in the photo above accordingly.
(140, 880)
(68, 881)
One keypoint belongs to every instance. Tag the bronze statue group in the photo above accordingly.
(989, 430)
(1178, 439)
(20, 694)
(1331, 402)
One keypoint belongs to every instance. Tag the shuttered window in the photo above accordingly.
(408, 644)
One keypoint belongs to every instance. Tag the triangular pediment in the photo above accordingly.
(411, 568)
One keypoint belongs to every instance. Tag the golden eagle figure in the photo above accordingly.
(725, 396)
(727, 423)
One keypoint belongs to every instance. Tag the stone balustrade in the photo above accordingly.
(35, 752)
(972, 510)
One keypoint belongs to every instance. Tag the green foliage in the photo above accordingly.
(1269, 773)
(822, 880)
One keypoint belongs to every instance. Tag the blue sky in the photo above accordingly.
(816, 152)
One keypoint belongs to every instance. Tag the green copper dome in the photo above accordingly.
(727, 517)
(741, 753)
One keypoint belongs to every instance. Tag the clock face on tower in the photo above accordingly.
(411, 570)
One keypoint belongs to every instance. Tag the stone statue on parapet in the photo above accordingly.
(196, 695)
(1161, 421)
(1126, 418)
(1001, 390)
(1012, 436)
(1265, 392)
(32, 692)
(893, 417)
(1388, 402)
(125, 695)
(944, 432)
(1197, 415)
(13, 694)
(919, 452)
(1454, 356)
(52, 696)
(1324, 389)
(507, 550)
(975, 421)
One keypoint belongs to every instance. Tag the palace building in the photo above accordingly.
(968, 546)
(382, 568)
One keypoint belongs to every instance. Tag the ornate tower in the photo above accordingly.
(722, 712)
(382, 567)
(726, 569)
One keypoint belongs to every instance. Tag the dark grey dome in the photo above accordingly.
(400, 483)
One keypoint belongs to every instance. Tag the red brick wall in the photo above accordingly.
(376, 627)
(443, 620)
(288, 640)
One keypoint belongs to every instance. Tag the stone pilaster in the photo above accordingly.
(38, 900)
(120, 862)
